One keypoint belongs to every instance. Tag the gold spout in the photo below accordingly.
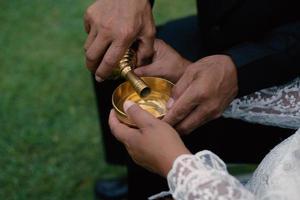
(126, 65)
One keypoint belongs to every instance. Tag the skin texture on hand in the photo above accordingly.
(112, 27)
(166, 63)
(203, 92)
(153, 144)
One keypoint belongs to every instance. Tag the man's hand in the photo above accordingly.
(113, 26)
(154, 144)
(166, 63)
(206, 88)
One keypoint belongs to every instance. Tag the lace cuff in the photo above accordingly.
(204, 176)
(276, 106)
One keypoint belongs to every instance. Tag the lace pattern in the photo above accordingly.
(204, 176)
(276, 106)
(278, 175)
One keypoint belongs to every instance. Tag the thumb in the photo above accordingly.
(140, 117)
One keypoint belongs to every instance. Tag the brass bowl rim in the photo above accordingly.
(123, 113)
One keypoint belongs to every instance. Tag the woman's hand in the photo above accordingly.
(112, 27)
(167, 63)
(153, 144)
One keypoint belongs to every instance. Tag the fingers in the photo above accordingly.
(140, 117)
(145, 50)
(86, 23)
(146, 39)
(111, 58)
(194, 120)
(95, 52)
(148, 70)
(151, 69)
(89, 40)
(183, 83)
(119, 130)
(182, 101)
(181, 107)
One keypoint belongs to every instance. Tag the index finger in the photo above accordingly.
(111, 58)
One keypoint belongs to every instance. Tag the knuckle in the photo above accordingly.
(213, 111)
(175, 91)
(179, 114)
(150, 32)
(90, 57)
(89, 12)
(182, 130)
(159, 42)
(109, 61)
(202, 95)
(127, 33)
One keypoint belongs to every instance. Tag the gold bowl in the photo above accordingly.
(154, 103)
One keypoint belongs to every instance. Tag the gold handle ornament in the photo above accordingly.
(126, 66)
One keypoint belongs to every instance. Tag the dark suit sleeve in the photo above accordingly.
(271, 61)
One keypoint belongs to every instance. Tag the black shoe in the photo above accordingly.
(116, 189)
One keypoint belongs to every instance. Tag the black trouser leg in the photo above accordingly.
(114, 151)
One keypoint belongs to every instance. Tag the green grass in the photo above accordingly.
(50, 146)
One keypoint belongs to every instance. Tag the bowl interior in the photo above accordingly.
(155, 102)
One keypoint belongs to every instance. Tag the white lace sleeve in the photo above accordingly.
(276, 106)
(204, 176)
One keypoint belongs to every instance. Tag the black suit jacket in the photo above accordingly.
(261, 36)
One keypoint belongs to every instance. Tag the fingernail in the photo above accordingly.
(127, 105)
(170, 103)
(98, 79)
(137, 71)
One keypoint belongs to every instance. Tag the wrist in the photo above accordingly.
(168, 163)
(232, 69)
(183, 63)
(229, 61)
